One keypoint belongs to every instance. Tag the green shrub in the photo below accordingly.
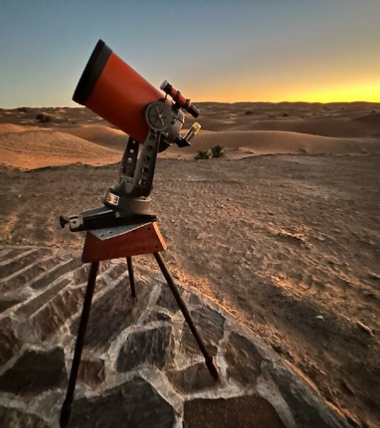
(203, 154)
(22, 109)
(217, 151)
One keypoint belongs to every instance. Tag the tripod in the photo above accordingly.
(116, 242)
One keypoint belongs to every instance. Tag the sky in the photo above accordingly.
(211, 50)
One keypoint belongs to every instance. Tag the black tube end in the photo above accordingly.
(193, 111)
(92, 72)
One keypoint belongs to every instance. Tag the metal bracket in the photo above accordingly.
(129, 159)
(144, 171)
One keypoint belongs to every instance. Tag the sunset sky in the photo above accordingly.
(258, 50)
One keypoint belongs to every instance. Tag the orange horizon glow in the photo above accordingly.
(368, 92)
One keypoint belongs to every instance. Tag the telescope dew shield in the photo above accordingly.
(116, 92)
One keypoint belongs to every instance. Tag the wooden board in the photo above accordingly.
(122, 241)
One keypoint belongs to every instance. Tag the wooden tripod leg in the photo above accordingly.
(131, 277)
(66, 407)
(212, 367)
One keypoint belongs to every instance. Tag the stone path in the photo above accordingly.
(140, 366)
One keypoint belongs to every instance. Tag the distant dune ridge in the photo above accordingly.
(76, 135)
(103, 135)
(272, 142)
(29, 149)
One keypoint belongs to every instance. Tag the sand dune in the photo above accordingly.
(272, 142)
(12, 127)
(328, 127)
(29, 149)
(103, 135)
(372, 119)
(76, 135)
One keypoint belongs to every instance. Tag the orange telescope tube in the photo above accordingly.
(116, 92)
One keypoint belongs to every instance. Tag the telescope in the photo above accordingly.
(124, 226)
(153, 121)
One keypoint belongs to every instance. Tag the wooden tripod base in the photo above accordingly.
(122, 241)
(116, 242)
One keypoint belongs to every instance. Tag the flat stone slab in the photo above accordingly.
(148, 347)
(35, 372)
(14, 418)
(237, 412)
(141, 366)
(132, 404)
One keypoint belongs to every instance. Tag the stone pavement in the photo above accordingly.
(141, 366)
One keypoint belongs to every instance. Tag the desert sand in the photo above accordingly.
(283, 232)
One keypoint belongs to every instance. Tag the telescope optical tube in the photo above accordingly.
(116, 92)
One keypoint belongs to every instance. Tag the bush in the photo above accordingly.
(43, 118)
(215, 152)
(203, 154)
(22, 109)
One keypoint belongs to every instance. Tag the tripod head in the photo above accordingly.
(116, 92)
